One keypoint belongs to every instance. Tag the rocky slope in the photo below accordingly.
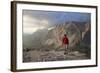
(77, 32)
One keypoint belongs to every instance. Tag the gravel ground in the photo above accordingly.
(43, 56)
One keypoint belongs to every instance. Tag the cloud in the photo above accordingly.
(32, 24)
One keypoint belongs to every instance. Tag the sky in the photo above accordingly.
(34, 20)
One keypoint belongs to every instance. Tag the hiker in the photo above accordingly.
(65, 43)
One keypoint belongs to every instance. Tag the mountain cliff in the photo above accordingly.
(51, 37)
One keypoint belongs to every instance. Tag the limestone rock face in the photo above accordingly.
(51, 37)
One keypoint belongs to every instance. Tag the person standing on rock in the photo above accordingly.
(65, 43)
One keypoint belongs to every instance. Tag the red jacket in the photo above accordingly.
(65, 40)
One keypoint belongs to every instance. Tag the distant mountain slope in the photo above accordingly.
(51, 37)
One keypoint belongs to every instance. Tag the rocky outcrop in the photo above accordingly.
(51, 38)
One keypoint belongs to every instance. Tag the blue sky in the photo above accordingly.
(58, 17)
